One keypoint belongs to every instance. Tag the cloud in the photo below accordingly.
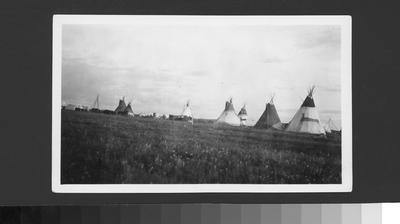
(273, 59)
(319, 36)
(330, 88)
(160, 68)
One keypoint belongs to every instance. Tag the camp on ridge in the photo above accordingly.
(305, 120)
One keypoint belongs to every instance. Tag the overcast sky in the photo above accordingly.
(159, 67)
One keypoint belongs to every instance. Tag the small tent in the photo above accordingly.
(306, 119)
(329, 126)
(270, 117)
(187, 112)
(243, 115)
(228, 115)
(96, 106)
(128, 110)
(121, 106)
(70, 107)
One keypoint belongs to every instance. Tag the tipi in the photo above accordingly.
(270, 116)
(329, 126)
(243, 115)
(306, 118)
(121, 106)
(128, 110)
(228, 116)
(187, 112)
(96, 105)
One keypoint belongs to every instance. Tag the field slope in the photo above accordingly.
(110, 149)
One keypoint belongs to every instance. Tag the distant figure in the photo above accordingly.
(243, 115)
(228, 116)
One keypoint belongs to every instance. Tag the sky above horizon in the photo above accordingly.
(159, 67)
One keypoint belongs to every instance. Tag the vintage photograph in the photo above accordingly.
(201, 104)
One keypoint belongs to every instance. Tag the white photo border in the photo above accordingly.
(344, 21)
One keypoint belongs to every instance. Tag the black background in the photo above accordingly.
(26, 96)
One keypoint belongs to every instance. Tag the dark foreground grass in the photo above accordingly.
(109, 149)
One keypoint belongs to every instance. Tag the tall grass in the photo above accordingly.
(107, 149)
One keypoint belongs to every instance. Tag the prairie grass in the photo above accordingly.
(110, 149)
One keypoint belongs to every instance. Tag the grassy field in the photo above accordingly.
(108, 149)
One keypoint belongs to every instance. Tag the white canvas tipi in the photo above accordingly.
(228, 116)
(306, 119)
(330, 126)
(187, 112)
(243, 116)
